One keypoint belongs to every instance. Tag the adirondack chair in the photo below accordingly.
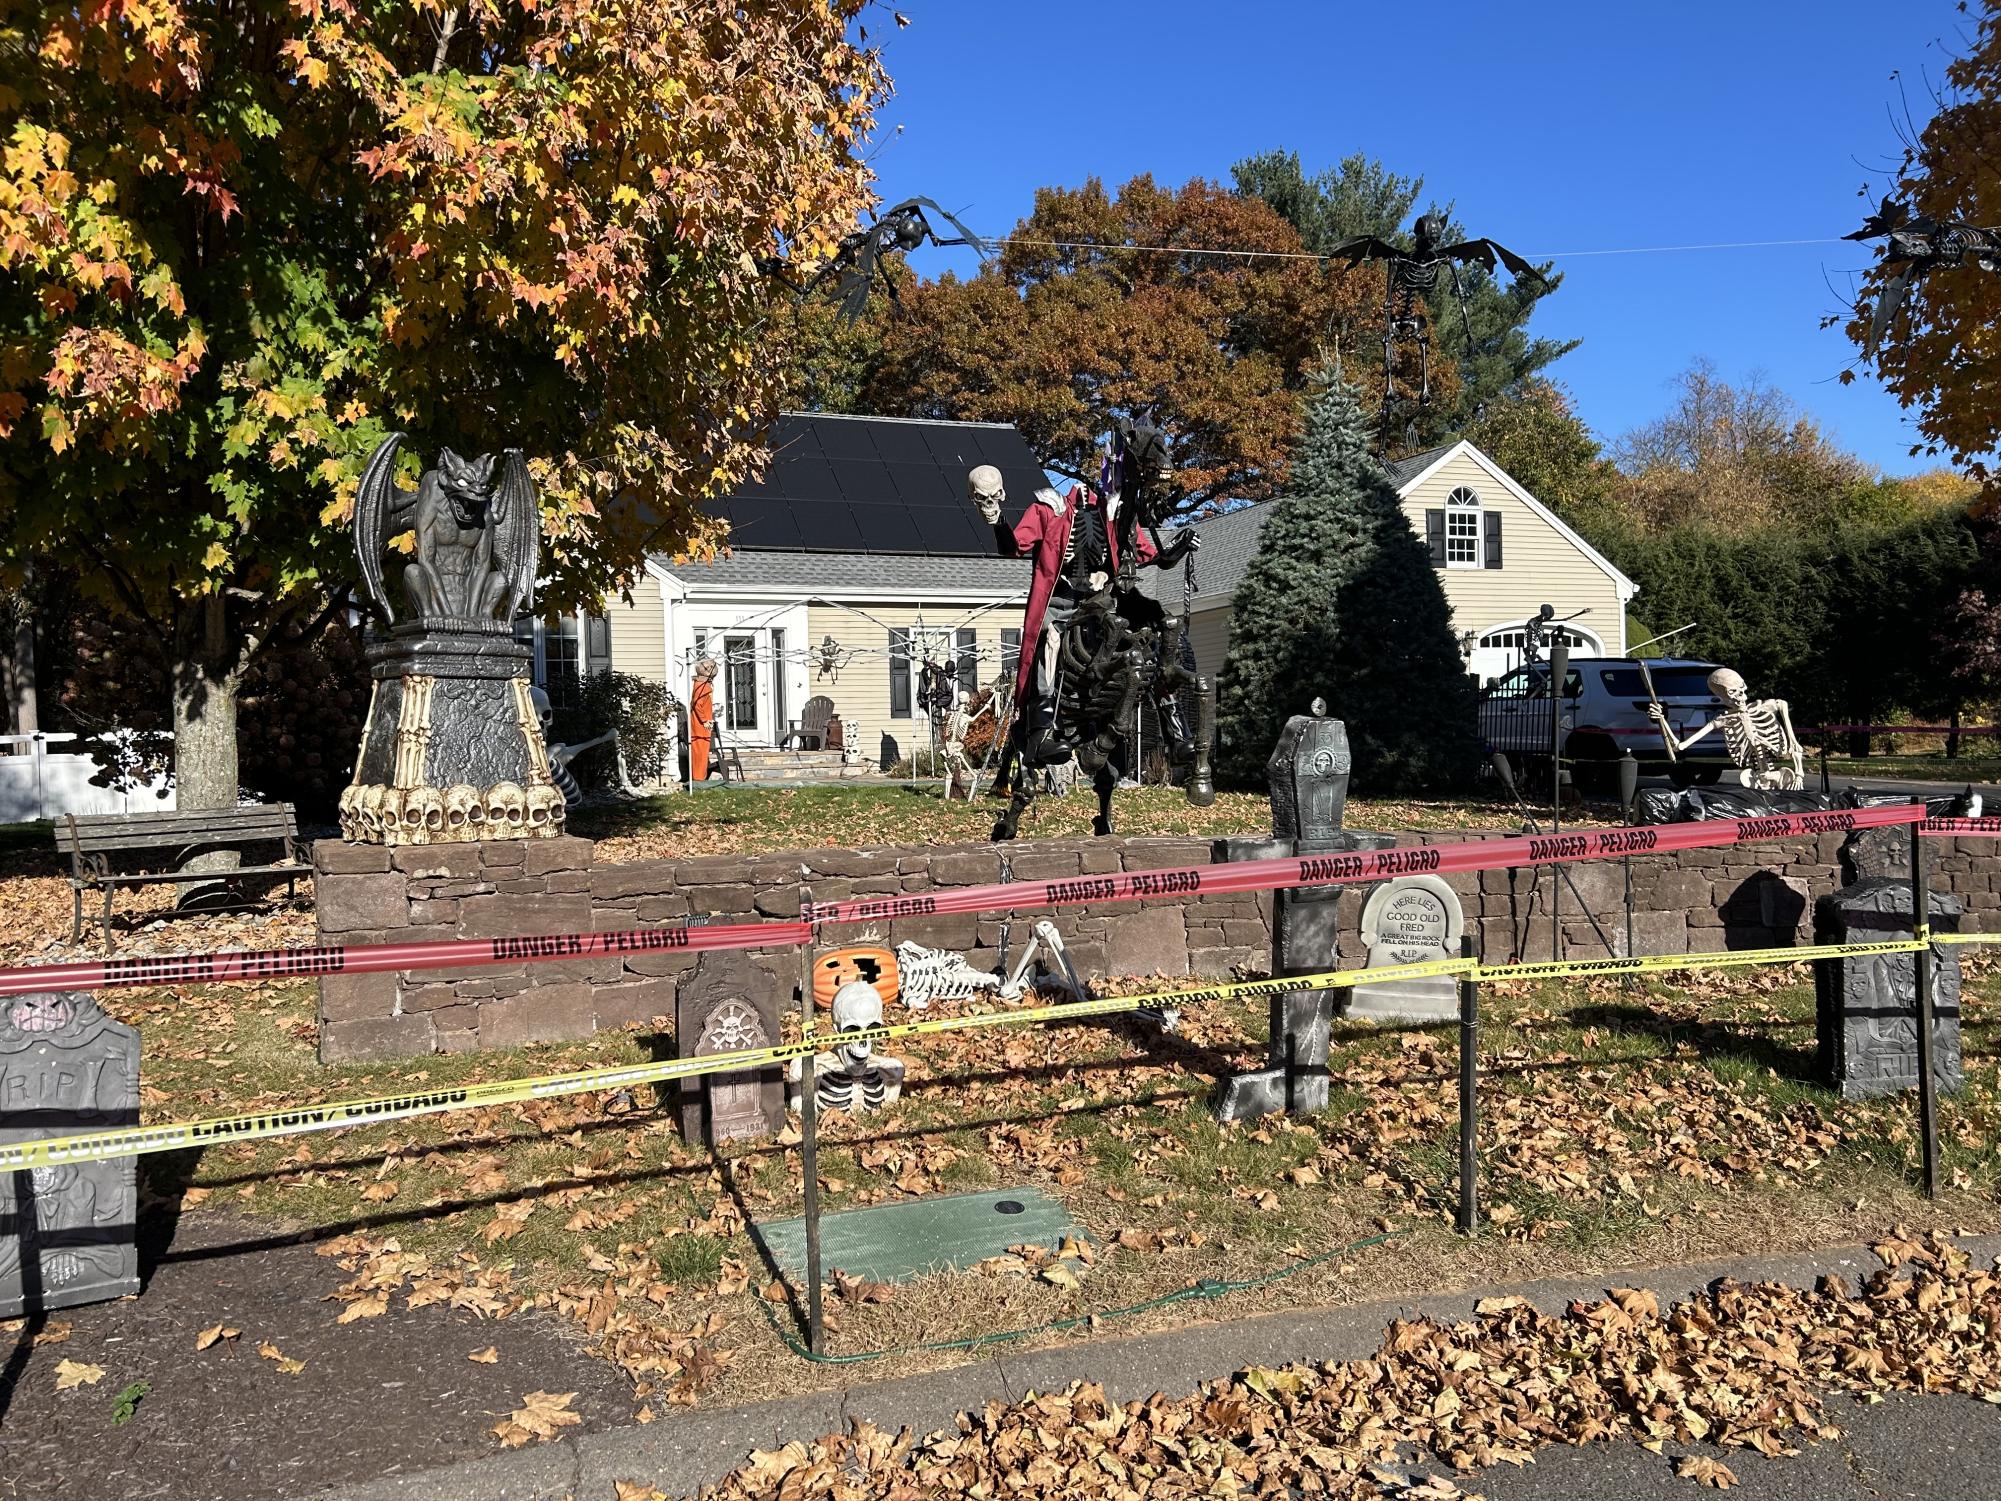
(809, 730)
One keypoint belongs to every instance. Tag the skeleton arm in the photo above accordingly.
(1785, 712)
(1660, 718)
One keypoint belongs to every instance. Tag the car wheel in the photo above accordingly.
(1709, 776)
(1594, 762)
(1681, 775)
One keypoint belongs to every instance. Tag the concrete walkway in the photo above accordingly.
(1940, 1448)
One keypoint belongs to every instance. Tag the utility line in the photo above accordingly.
(1312, 255)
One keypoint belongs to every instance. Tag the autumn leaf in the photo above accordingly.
(540, 1415)
(1705, 1471)
(489, 1356)
(279, 1358)
(373, 1305)
(74, 1373)
(634, 1490)
(213, 1334)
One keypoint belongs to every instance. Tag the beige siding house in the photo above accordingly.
(1500, 554)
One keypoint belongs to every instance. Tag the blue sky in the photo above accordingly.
(1572, 125)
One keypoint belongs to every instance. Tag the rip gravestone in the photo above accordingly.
(1410, 920)
(1308, 772)
(68, 1232)
(726, 1004)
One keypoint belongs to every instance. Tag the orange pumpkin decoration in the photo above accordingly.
(862, 961)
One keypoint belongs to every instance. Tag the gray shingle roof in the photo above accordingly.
(1403, 471)
(1229, 542)
(833, 573)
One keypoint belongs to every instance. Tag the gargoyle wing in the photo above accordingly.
(1489, 253)
(1368, 248)
(950, 218)
(517, 532)
(1890, 216)
(375, 503)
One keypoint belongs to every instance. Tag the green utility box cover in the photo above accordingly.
(898, 1242)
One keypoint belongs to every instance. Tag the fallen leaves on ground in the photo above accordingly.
(489, 1356)
(538, 1417)
(214, 1334)
(1746, 1366)
(71, 1374)
(279, 1358)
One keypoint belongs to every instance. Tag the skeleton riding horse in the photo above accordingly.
(1094, 643)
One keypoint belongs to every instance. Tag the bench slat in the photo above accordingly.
(117, 878)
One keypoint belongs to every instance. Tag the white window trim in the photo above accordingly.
(1456, 507)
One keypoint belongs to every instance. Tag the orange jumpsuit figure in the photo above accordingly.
(701, 719)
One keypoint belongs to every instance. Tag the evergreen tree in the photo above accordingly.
(1341, 603)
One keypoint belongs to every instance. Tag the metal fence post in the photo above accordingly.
(1921, 972)
(809, 1128)
(1559, 670)
(1469, 1069)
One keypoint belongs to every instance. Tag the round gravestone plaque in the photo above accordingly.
(1408, 921)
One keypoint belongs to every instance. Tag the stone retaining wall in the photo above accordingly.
(1747, 896)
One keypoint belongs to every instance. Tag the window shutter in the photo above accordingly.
(1491, 525)
(1434, 536)
(597, 645)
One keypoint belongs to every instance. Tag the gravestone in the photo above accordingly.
(1410, 920)
(727, 1004)
(1865, 1005)
(68, 1232)
(1308, 773)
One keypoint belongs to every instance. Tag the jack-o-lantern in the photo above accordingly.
(869, 962)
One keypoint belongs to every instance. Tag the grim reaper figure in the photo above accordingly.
(1918, 246)
(1094, 644)
(478, 530)
(1413, 283)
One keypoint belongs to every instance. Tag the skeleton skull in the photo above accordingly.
(1729, 687)
(507, 806)
(542, 710)
(985, 490)
(423, 814)
(461, 803)
(545, 807)
(857, 1005)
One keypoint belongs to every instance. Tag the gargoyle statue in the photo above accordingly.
(478, 531)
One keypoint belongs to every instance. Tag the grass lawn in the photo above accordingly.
(1621, 1126)
(1983, 765)
(755, 819)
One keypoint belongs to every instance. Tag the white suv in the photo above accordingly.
(1604, 715)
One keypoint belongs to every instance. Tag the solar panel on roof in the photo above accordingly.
(764, 523)
(804, 476)
(857, 479)
(848, 439)
(886, 528)
(946, 531)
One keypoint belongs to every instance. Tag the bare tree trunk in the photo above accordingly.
(207, 674)
(21, 673)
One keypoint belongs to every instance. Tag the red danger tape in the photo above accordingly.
(374, 958)
(1947, 827)
(1372, 865)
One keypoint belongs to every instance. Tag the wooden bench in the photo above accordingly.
(97, 842)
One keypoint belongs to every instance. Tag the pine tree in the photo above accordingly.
(1341, 603)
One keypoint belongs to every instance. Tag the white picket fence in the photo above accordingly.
(40, 780)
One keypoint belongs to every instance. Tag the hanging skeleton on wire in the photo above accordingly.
(1918, 246)
(857, 262)
(1413, 283)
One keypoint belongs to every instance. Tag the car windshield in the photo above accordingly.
(1669, 682)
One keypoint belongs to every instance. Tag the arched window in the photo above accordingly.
(1462, 528)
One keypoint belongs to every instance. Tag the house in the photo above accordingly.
(1500, 554)
(853, 561)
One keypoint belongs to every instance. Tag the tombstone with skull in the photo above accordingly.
(852, 1076)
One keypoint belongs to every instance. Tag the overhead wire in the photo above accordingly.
(1319, 255)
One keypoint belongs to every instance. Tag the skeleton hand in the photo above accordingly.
(1658, 715)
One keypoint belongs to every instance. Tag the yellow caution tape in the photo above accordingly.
(1729, 959)
(97, 1146)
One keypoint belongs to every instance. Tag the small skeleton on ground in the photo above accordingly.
(1760, 735)
(560, 756)
(928, 975)
(852, 1077)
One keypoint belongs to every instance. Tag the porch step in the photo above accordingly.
(766, 765)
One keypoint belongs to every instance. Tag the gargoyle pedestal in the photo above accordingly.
(453, 749)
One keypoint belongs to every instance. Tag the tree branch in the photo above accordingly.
(445, 34)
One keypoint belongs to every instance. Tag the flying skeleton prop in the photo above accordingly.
(857, 261)
(1918, 246)
(1103, 644)
(1413, 282)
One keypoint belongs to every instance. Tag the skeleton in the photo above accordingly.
(927, 975)
(1919, 246)
(831, 656)
(1101, 644)
(560, 756)
(851, 1077)
(1760, 735)
(858, 259)
(1413, 280)
(958, 724)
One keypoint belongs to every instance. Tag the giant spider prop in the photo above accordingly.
(857, 262)
(1116, 644)
(1413, 279)
(1918, 246)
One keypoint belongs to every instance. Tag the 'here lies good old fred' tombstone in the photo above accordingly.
(68, 1232)
(1308, 772)
(1410, 920)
